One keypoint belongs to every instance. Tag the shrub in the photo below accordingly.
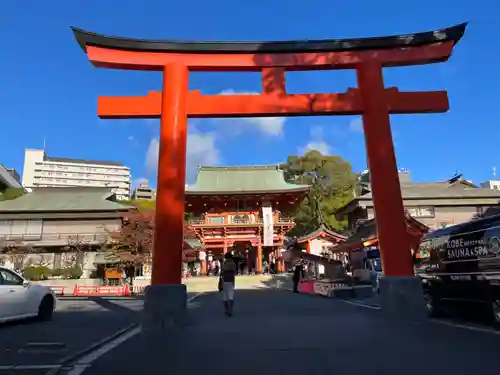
(37, 273)
(57, 272)
(72, 272)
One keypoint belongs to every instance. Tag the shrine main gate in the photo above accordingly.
(175, 104)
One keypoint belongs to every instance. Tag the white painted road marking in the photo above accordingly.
(491, 331)
(84, 362)
(92, 356)
(474, 328)
(78, 369)
(355, 303)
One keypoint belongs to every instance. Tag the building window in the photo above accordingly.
(242, 219)
(216, 219)
(420, 212)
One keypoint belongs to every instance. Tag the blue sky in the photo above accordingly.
(49, 89)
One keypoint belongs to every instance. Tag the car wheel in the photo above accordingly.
(495, 312)
(432, 306)
(46, 308)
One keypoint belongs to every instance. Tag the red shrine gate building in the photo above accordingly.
(242, 209)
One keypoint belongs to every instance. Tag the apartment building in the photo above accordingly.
(8, 179)
(144, 192)
(13, 172)
(491, 184)
(40, 170)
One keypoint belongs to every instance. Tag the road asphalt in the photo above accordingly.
(77, 323)
(284, 333)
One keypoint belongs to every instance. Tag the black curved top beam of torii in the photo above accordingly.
(453, 34)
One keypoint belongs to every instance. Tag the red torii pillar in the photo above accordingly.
(371, 100)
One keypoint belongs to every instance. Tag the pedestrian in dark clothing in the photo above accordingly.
(298, 274)
(273, 268)
(228, 274)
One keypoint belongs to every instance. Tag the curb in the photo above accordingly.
(348, 301)
(68, 360)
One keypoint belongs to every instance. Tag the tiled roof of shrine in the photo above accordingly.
(322, 231)
(242, 180)
(63, 199)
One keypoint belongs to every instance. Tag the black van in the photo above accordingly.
(460, 265)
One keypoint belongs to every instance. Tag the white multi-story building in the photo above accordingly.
(41, 170)
(144, 192)
(491, 184)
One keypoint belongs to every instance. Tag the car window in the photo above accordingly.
(9, 278)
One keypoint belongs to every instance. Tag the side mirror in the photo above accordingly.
(26, 283)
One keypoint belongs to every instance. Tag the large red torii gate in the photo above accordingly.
(370, 99)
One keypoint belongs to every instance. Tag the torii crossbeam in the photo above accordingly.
(368, 56)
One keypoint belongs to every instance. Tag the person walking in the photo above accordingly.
(298, 274)
(228, 276)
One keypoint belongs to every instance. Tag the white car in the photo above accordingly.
(20, 299)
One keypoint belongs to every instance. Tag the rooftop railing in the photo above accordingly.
(240, 221)
(57, 237)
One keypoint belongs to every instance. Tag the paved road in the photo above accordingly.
(77, 323)
(283, 333)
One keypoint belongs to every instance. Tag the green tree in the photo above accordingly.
(141, 205)
(333, 184)
(11, 193)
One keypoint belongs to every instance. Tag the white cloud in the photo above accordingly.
(321, 146)
(316, 142)
(201, 149)
(271, 126)
(356, 125)
(152, 155)
(202, 146)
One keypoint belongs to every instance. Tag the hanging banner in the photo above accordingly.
(267, 214)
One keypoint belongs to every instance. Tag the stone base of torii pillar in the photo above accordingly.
(402, 297)
(165, 309)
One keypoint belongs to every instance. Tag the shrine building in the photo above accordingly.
(242, 209)
(321, 241)
(365, 235)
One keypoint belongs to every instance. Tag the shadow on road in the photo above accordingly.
(76, 324)
(111, 304)
(472, 314)
(282, 332)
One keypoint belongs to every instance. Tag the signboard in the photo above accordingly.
(267, 214)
